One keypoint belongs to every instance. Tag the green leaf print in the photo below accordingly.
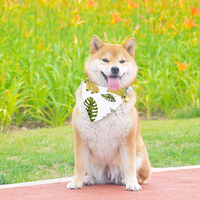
(91, 107)
(111, 110)
(109, 97)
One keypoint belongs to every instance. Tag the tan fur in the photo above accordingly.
(112, 149)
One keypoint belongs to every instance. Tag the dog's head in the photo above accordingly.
(111, 65)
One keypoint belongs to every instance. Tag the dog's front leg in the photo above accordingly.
(128, 156)
(81, 157)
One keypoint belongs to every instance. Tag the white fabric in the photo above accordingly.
(105, 107)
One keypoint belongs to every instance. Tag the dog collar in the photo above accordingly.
(100, 101)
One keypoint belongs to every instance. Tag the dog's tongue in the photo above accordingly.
(113, 83)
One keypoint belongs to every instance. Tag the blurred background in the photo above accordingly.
(45, 43)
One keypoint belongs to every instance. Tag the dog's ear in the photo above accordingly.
(130, 46)
(95, 44)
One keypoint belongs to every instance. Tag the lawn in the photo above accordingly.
(44, 45)
(48, 153)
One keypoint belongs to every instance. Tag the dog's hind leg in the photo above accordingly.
(89, 180)
(143, 166)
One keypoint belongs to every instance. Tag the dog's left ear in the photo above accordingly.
(130, 46)
(95, 44)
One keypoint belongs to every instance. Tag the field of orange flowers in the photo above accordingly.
(45, 43)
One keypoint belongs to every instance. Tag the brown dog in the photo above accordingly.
(110, 150)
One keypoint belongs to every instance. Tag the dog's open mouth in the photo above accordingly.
(113, 81)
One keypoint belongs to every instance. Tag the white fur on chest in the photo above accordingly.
(104, 136)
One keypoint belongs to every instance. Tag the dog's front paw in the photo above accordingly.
(133, 187)
(74, 185)
(89, 180)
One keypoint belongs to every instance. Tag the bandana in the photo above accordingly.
(100, 101)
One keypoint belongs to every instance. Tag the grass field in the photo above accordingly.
(44, 45)
(49, 153)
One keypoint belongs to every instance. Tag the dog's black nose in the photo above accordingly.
(115, 70)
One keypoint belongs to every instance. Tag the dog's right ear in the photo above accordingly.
(95, 44)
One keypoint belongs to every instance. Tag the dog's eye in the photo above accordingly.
(105, 60)
(122, 61)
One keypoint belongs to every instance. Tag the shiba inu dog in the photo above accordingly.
(111, 150)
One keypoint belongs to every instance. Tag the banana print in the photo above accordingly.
(91, 87)
(120, 92)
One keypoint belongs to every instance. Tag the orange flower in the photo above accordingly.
(8, 4)
(180, 4)
(91, 4)
(132, 4)
(181, 66)
(76, 17)
(149, 9)
(190, 23)
(116, 18)
(195, 11)
(171, 25)
(76, 20)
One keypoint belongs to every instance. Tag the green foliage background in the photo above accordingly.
(44, 45)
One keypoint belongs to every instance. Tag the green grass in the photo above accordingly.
(46, 43)
(172, 143)
(36, 155)
(48, 153)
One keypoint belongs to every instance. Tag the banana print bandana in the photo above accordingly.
(100, 101)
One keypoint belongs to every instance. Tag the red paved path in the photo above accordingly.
(172, 185)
